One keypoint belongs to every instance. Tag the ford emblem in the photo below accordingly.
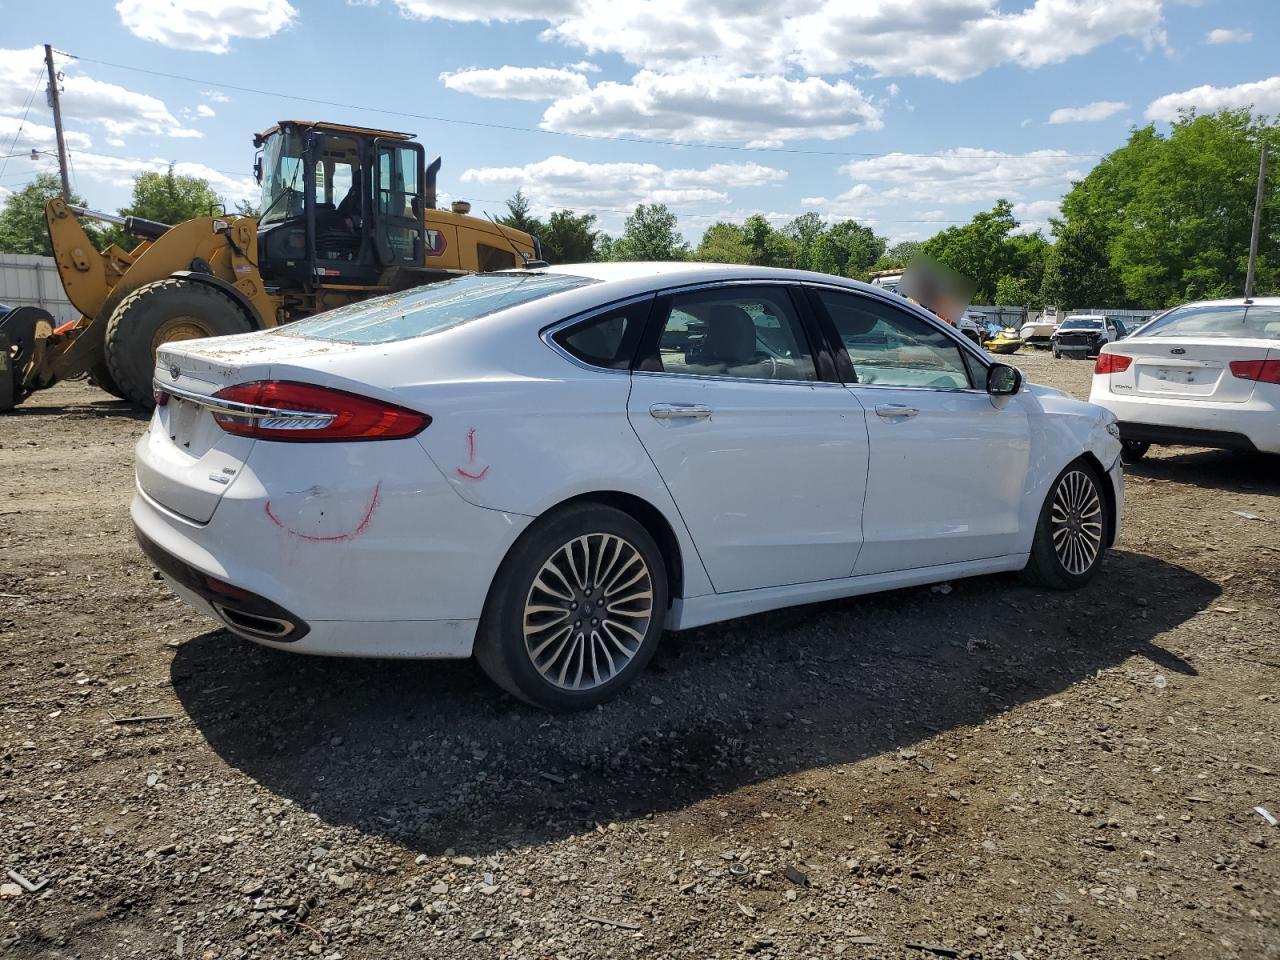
(175, 371)
(1177, 350)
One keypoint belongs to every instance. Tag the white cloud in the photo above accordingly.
(559, 181)
(1222, 35)
(931, 215)
(961, 176)
(121, 112)
(36, 136)
(204, 110)
(1034, 215)
(215, 96)
(950, 39)
(706, 106)
(516, 83)
(193, 25)
(121, 171)
(1262, 95)
(1098, 110)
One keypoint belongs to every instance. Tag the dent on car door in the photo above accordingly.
(948, 461)
(766, 462)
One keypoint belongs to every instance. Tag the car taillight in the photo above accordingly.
(302, 412)
(1262, 371)
(161, 397)
(1112, 363)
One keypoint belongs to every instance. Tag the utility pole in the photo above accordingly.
(1257, 223)
(56, 104)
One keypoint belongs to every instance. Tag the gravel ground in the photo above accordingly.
(978, 770)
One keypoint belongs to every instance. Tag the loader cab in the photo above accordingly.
(341, 206)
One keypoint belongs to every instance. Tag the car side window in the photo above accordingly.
(753, 333)
(607, 339)
(890, 347)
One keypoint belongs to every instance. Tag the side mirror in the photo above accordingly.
(1003, 380)
(257, 168)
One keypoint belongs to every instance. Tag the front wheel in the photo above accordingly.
(1131, 451)
(1072, 532)
(1057, 354)
(576, 609)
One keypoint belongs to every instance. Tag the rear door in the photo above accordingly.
(766, 462)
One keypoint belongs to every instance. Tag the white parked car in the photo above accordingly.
(546, 468)
(1200, 375)
(1083, 335)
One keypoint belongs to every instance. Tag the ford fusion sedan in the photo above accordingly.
(547, 468)
(1201, 375)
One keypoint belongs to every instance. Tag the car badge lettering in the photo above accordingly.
(1178, 350)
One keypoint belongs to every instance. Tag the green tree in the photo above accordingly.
(519, 217)
(1013, 292)
(22, 226)
(1078, 270)
(569, 238)
(649, 234)
(723, 243)
(769, 247)
(982, 249)
(897, 256)
(166, 198)
(804, 232)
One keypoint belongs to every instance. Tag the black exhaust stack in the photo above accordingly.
(429, 188)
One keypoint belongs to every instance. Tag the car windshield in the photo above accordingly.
(1255, 322)
(432, 308)
(1081, 323)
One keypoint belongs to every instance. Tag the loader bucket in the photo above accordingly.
(22, 332)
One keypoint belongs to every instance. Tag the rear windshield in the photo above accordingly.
(1255, 322)
(430, 309)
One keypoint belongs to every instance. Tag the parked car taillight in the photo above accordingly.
(1262, 371)
(302, 412)
(1112, 363)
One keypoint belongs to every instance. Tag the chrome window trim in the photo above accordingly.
(248, 411)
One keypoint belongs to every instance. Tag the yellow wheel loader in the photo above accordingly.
(347, 213)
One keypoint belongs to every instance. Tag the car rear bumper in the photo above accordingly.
(1250, 426)
(382, 559)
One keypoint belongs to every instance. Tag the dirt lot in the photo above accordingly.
(985, 771)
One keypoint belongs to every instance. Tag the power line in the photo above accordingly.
(217, 84)
(23, 122)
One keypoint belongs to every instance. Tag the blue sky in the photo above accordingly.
(905, 114)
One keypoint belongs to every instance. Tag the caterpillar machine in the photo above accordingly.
(347, 213)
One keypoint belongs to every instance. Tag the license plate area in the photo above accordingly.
(1187, 379)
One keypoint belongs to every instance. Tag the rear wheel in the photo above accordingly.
(1131, 451)
(576, 609)
(158, 313)
(1072, 532)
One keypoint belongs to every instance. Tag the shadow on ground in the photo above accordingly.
(433, 756)
(1212, 470)
(97, 409)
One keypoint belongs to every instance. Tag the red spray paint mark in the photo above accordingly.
(360, 528)
(471, 458)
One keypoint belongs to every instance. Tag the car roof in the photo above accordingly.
(648, 274)
(1234, 302)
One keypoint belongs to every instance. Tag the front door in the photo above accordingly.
(399, 233)
(948, 461)
(766, 463)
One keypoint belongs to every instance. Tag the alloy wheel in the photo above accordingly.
(588, 611)
(1076, 519)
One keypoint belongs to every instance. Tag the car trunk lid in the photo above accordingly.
(1186, 368)
(186, 462)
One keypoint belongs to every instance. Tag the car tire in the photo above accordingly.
(528, 641)
(1131, 451)
(1057, 354)
(161, 312)
(1072, 532)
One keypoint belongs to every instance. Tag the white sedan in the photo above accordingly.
(546, 468)
(1201, 375)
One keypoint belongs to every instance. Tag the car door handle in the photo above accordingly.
(895, 411)
(674, 411)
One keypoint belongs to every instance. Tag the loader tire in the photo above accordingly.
(162, 312)
(101, 377)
